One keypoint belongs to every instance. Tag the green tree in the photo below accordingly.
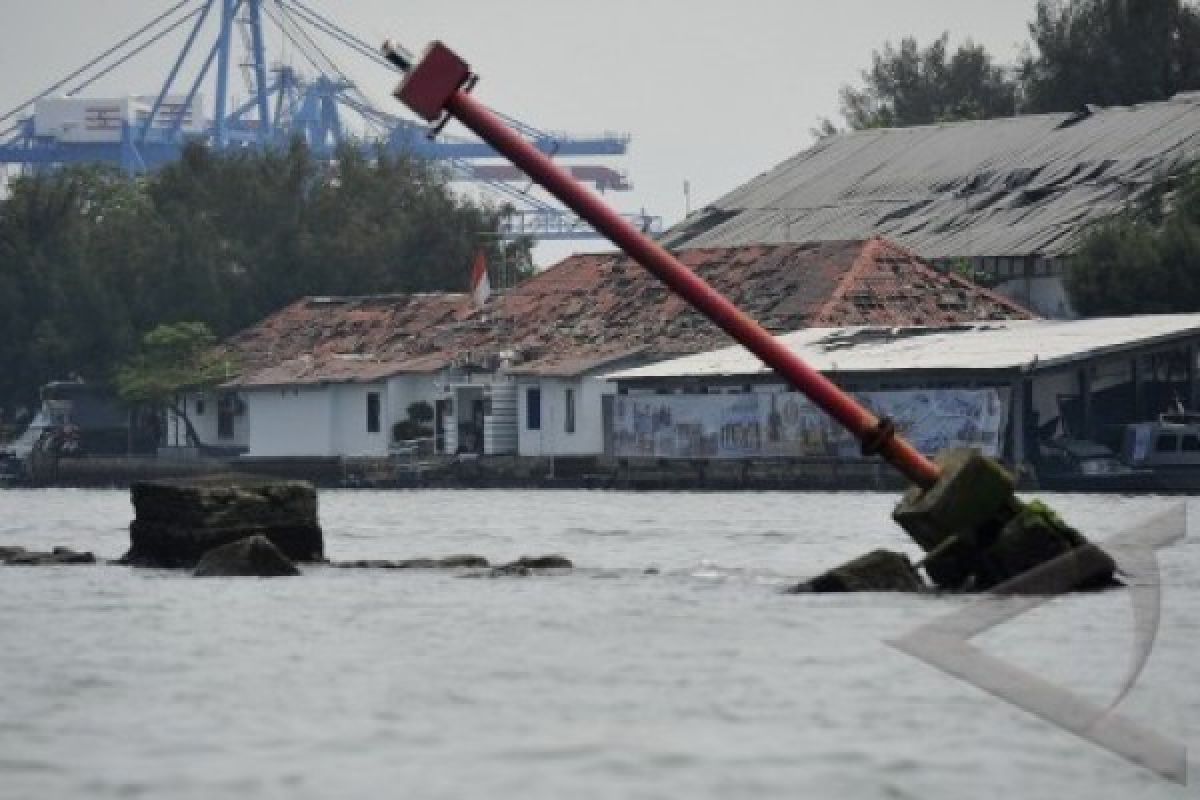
(1143, 261)
(173, 360)
(909, 85)
(92, 259)
(1110, 52)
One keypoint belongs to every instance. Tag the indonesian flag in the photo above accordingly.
(481, 286)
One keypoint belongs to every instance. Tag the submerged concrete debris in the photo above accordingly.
(252, 557)
(178, 521)
(525, 566)
(20, 557)
(877, 571)
(448, 562)
(979, 537)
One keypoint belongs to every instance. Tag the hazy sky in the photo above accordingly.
(712, 91)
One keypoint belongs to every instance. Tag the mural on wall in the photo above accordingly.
(787, 425)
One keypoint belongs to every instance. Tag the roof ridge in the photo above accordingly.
(847, 280)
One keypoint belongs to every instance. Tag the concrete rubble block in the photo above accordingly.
(970, 503)
(178, 521)
(449, 562)
(20, 557)
(1051, 556)
(877, 571)
(542, 562)
(252, 557)
(225, 501)
(525, 566)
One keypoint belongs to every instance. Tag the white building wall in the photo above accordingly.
(203, 412)
(349, 414)
(1045, 294)
(553, 439)
(290, 421)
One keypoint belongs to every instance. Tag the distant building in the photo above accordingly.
(1002, 386)
(523, 374)
(1005, 198)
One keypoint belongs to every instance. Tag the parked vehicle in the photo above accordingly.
(1169, 447)
(1078, 465)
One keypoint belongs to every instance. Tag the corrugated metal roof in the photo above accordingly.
(999, 346)
(1008, 187)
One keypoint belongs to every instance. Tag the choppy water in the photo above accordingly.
(700, 682)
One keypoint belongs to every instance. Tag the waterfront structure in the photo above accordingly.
(522, 373)
(1004, 386)
(1004, 200)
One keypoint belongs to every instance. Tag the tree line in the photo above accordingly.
(1081, 52)
(92, 260)
(1146, 259)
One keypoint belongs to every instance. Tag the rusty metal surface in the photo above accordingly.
(1007, 187)
(591, 310)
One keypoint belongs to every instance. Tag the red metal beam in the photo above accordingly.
(439, 84)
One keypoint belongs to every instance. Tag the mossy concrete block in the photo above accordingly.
(877, 571)
(252, 557)
(971, 502)
(1056, 557)
(223, 501)
(178, 521)
(972, 493)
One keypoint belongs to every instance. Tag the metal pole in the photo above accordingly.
(225, 45)
(260, 72)
(866, 427)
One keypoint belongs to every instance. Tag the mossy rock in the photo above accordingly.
(877, 571)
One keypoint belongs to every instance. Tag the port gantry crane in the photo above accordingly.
(315, 102)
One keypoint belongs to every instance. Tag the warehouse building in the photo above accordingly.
(1002, 386)
(1003, 200)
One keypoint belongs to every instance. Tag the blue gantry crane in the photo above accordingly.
(310, 98)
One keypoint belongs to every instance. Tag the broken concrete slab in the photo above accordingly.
(525, 566)
(1037, 536)
(252, 557)
(448, 562)
(20, 557)
(979, 535)
(542, 562)
(877, 571)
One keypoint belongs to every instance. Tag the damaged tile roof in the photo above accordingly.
(590, 311)
(1022, 186)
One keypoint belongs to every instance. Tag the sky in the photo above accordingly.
(713, 92)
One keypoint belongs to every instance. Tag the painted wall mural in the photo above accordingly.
(787, 425)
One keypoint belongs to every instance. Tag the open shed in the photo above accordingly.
(1002, 385)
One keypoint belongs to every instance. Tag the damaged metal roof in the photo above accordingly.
(1018, 186)
(591, 311)
(1010, 345)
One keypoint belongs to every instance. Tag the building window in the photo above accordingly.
(373, 412)
(1191, 443)
(1166, 443)
(533, 409)
(199, 406)
(569, 420)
